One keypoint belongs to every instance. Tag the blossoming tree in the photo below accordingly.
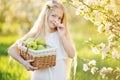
(105, 14)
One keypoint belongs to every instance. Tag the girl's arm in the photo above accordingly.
(66, 41)
(68, 46)
(12, 51)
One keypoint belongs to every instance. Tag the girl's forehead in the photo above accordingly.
(57, 11)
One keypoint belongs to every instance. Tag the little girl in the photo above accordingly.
(50, 25)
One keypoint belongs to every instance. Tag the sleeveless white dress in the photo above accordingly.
(59, 71)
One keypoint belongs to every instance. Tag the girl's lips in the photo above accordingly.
(54, 24)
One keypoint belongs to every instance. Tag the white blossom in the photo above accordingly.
(118, 71)
(102, 2)
(86, 16)
(108, 25)
(110, 38)
(75, 2)
(95, 50)
(105, 51)
(85, 67)
(93, 70)
(115, 54)
(91, 2)
(88, 2)
(100, 28)
(86, 9)
(111, 43)
(108, 7)
(109, 69)
(95, 11)
(98, 18)
(102, 72)
(92, 63)
(105, 70)
(102, 45)
(77, 12)
(97, 23)
(115, 11)
(80, 9)
(104, 55)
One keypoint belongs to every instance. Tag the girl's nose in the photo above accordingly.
(56, 19)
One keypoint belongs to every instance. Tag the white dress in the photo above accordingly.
(59, 71)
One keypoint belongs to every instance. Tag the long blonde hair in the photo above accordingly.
(40, 28)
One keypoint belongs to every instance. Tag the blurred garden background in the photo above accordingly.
(16, 19)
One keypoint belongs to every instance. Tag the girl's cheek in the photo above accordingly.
(51, 19)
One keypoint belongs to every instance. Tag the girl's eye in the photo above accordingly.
(53, 16)
(59, 18)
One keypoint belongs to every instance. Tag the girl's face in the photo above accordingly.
(55, 16)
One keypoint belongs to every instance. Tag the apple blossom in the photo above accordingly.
(85, 67)
(106, 17)
(95, 50)
(92, 63)
(115, 54)
(94, 70)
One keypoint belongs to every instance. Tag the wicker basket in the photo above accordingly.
(41, 58)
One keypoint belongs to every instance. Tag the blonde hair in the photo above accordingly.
(40, 28)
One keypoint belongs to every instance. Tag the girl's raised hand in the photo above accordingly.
(28, 66)
(60, 28)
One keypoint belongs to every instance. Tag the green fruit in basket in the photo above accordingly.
(40, 41)
(28, 41)
(32, 45)
(40, 47)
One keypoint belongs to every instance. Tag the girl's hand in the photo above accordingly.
(28, 66)
(60, 28)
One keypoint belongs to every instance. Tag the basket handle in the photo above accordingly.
(27, 50)
(17, 49)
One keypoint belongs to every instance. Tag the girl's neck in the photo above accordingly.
(53, 30)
